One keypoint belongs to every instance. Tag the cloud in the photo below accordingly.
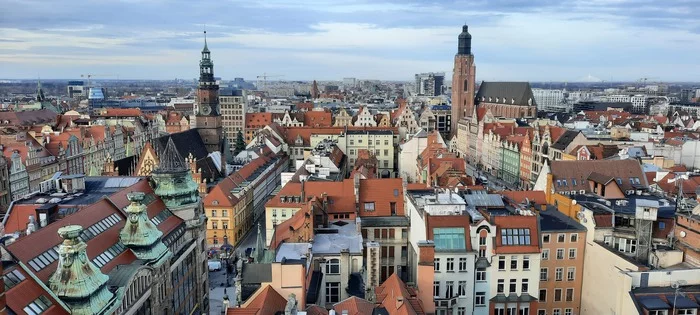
(327, 39)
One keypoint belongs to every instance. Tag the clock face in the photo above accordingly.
(205, 110)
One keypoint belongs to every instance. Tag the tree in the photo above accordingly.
(240, 143)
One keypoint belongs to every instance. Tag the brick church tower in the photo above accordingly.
(208, 118)
(463, 77)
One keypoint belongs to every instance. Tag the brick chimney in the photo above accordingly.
(426, 274)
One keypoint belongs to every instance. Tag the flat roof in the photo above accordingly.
(340, 235)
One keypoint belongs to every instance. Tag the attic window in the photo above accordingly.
(619, 181)
(396, 192)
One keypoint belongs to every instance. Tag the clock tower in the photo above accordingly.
(208, 115)
(463, 78)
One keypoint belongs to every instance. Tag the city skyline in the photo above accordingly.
(512, 40)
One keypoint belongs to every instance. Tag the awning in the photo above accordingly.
(653, 303)
(682, 302)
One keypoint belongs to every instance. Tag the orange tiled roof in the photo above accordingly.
(318, 119)
(383, 192)
(264, 301)
(519, 196)
(354, 306)
(392, 288)
(257, 120)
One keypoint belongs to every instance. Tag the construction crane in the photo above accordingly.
(90, 76)
(264, 77)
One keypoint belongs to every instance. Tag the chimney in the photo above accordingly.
(303, 193)
(426, 274)
(358, 225)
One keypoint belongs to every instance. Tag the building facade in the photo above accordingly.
(208, 117)
(233, 109)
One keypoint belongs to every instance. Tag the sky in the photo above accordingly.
(513, 40)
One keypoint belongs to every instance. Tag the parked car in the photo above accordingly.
(214, 265)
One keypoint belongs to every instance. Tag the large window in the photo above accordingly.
(687, 312)
(436, 264)
(463, 264)
(436, 288)
(543, 295)
(450, 264)
(449, 238)
(513, 262)
(570, 295)
(500, 286)
(543, 274)
(515, 237)
(524, 286)
(570, 273)
(559, 274)
(332, 292)
(462, 288)
(369, 206)
(449, 289)
(333, 267)
(557, 295)
(502, 263)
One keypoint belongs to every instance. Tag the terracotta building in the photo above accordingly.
(463, 80)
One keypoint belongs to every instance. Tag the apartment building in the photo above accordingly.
(561, 267)
(233, 111)
(441, 217)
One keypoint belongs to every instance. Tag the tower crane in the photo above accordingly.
(264, 77)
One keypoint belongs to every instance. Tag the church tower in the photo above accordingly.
(208, 118)
(463, 77)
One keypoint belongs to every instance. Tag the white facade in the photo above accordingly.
(365, 118)
(549, 100)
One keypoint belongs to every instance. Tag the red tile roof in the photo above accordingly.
(382, 192)
(517, 222)
(257, 120)
(354, 306)
(265, 301)
(318, 119)
(387, 297)
(519, 196)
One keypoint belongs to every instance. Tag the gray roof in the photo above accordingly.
(384, 221)
(565, 139)
(256, 273)
(552, 220)
(520, 92)
(120, 275)
(484, 200)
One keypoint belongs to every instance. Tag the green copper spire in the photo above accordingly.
(206, 49)
(173, 180)
(141, 235)
(77, 281)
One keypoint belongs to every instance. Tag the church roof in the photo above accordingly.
(170, 159)
(187, 142)
(515, 93)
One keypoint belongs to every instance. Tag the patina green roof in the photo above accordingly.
(140, 234)
(77, 281)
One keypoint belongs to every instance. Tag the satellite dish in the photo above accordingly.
(683, 233)
(573, 202)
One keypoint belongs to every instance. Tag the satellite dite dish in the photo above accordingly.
(581, 217)
(573, 202)
(683, 234)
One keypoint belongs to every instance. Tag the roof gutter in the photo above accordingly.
(41, 283)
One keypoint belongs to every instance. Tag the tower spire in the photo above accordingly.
(206, 48)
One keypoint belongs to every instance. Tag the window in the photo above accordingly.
(463, 264)
(436, 288)
(545, 254)
(559, 274)
(570, 273)
(449, 289)
(214, 225)
(450, 264)
(513, 286)
(224, 213)
(481, 274)
(662, 225)
(461, 311)
(213, 213)
(573, 238)
(544, 274)
(501, 263)
(332, 292)
(541, 312)
(556, 311)
(482, 241)
(333, 267)
(500, 286)
(515, 237)
(449, 238)
(560, 253)
(480, 299)
(570, 294)
(38, 306)
(526, 262)
(369, 206)
(524, 285)
(436, 264)
(658, 312)
(543, 295)
(561, 238)
(686, 312)
(568, 311)
(462, 288)
(557, 295)
(525, 310)
(513, 262)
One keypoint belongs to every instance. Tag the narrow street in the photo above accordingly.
(494, 182)
(217, 279)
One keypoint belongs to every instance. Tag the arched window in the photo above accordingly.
(333, 267)
(466, 85)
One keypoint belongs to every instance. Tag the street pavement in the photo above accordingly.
(494, 182)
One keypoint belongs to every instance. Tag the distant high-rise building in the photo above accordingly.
(233, 108)
(639, 101)
(550, 100)
(76, 89)
(349, 83)
(430, 84)
(208, 118)
(463, 77)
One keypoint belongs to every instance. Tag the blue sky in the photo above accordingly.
(533, 40)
